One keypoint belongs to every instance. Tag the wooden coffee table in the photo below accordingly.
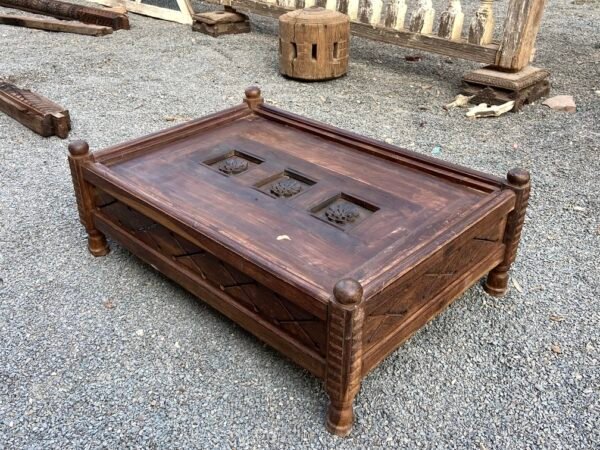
(330, 247)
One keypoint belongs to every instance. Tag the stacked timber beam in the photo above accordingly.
(68, 11)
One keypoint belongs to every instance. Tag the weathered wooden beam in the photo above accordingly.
(182, 15)
(34, 111)
(55, 25)
(460, 49)
(521, 27)
(69, 11)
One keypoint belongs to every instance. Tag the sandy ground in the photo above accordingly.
(161, 370)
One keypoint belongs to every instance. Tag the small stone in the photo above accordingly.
(108, 304)
(556, 349)
(140, 332)
(556, 318)
(589, 347)
(561, 103)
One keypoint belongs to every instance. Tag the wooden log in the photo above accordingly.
(54, 25)
(421, 20)
(481, 30)
(451, 21)
(314, 44)
(521, 27)
(69, 11)
(38, 113)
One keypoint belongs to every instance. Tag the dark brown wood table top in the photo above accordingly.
(298, 203)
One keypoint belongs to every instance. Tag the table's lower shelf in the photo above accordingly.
(290, 330)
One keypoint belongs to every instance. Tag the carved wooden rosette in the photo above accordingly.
(519, 181)
(344, 355)
(79, 154)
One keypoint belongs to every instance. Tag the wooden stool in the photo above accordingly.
(313, 44)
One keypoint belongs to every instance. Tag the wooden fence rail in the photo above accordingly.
(448, 33)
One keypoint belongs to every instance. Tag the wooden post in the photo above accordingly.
(520, 30)
(481, 30)
(451, 21)
(396, 12)
(79, 154)
(421, 20)
(497, 281)
(344, 354)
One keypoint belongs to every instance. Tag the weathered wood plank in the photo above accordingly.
(520, 31)
(183, 15)
(55, 25)
(481, 31)
(451, 21)
(37, 113)
(69, 11)
(421, 21)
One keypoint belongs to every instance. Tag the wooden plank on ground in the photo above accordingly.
(54, 25)
(34, 111)
(69, 11)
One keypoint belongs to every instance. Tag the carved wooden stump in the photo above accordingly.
(313, 44)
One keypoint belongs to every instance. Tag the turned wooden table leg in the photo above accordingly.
(79, 154)
(497, 280)
(344, 355)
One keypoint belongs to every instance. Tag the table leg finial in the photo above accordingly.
(253, 97)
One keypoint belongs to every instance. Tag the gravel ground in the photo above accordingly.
(107, 353)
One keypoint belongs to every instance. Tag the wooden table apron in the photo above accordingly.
(338, 331)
